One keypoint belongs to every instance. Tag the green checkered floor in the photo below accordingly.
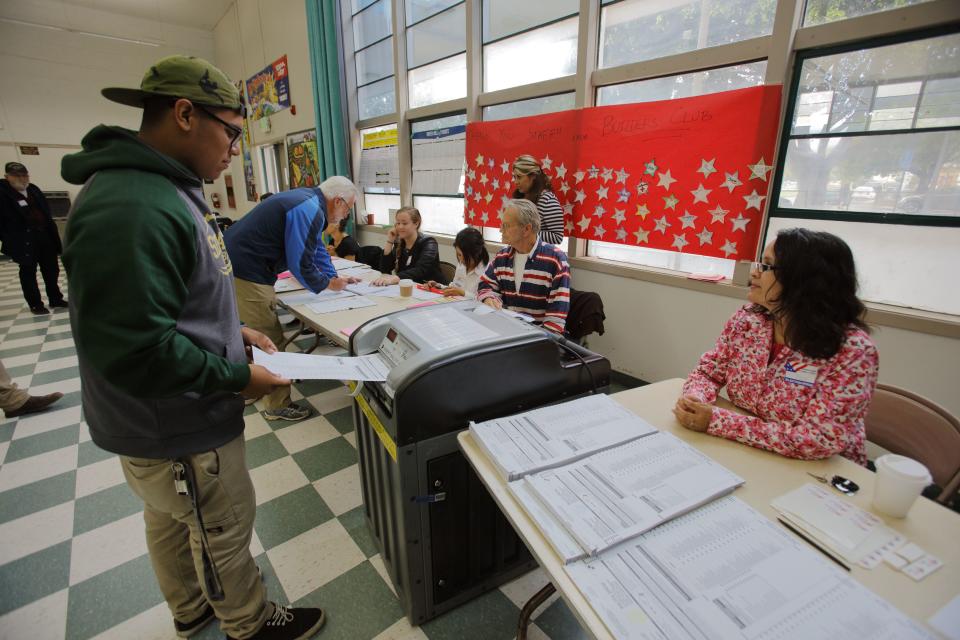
(73, 561)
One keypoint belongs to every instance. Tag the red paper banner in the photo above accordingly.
(687, 175)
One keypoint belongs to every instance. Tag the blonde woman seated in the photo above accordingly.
(408, 254)
(472, 259)
(799, 357)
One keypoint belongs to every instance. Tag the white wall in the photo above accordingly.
(51, 80)
(251, 35)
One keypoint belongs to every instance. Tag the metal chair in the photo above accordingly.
(903, 422)
(447, 270)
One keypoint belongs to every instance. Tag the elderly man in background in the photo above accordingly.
(528, 275)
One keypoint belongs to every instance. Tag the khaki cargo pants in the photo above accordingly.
(257, 304)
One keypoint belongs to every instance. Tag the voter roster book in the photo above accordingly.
(551, 436)
(724, 571)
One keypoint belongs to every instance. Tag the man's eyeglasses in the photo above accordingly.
(760, 267)
(234, 131)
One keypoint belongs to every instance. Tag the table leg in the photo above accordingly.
(532, 605)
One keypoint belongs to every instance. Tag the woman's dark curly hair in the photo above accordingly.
(471, 245)
(818, 299)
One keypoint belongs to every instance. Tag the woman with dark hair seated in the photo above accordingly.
(531, 183)
(341, 243)
(472, 260)
(799, 357)
(408, 254)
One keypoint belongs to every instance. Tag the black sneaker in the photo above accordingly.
(62, 304)
(39, 311)
(290, 624)
(187, 629)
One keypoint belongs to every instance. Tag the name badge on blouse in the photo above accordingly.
(802, 374)
(23, 203)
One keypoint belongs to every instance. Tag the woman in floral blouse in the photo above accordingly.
(799, 358)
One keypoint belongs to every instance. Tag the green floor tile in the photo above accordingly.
(6, 430)
(72, 399)
(111, 597)
(558, 623)
(264, 449)
(341, 419)
(53, 354)
(37, 496)
(18, 351)
(276, 425)
(42, 443)
(358, 604)
(57, 375)
(21, 371)
(35, 576)
(90, 453)
(39, 331)
(104, 507)
(275, 592)
(489, 617)
(290, 515)
(326, 458)
(355, 522)
(250, 409)
(313, 387)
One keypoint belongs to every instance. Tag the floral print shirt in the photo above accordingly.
(807, 408)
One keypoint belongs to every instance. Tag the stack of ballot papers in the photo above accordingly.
(552, 436)
(305, 366)
(621, 492)
(837, 524)
(725, 571)
(287, 284)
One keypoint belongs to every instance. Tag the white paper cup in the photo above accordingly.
(899, 481)
(406, 288)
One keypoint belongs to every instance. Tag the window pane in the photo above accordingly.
(531, 107)
(375, 62)
(686, 85)
(417, 10)
(372, 25)
(376, 99)
(439, 37)
(550, 52)
(443, 80)
(440, 215)
(379, 205)
(437, 148)
(674, 26)
(821, 11)
(357, 5)
(899, 265)
(504, 17)
(900, 173)
(880, 88)
(661, 259)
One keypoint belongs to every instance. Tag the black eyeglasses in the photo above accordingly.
(234, 131)
(763, 266)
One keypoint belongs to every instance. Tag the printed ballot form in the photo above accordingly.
(305, 366)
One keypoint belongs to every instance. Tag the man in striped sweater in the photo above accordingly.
(528, 275)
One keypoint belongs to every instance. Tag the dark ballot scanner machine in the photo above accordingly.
(442, 537)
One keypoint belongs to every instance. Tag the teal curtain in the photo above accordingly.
(322, 18)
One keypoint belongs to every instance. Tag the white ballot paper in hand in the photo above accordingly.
(305, 366)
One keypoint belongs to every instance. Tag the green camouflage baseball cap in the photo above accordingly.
(181, 77)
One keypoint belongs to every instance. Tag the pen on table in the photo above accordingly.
(813, 544)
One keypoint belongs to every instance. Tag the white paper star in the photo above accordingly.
(598, 231)
(670, 201)
(718, 214)
(546, 162)
(599, 211)
(578, 176)
(491, 163)
(568, 227)
(706, 167)
(504, 200)
(568, 209)
(469, 190)
(642, 235)
(661, 224)
(602, 193)
(622, 176)
(561, 171)
(705, 237)
(650, 168)
(759, 171)
(621, 233)
(688, 220)
(729, 248)
(754, 200)
(471, 175)
(584, 223)
(581, 196)
(619, 215)
(666, 179)
(485, 217)
(488, 197)
(642, 187)
(479, 159)
(496, 183)
(483, 178)
(564, 188)
(477, 196)
(679, 241)
(700, 194)
(505, 166)
(642, 211)
(593, 171)
(623, 195)
(732, 181)
(740, 223)
(607, 174)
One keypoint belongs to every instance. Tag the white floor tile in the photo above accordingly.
(341, 490)
(401, 630)
(331, 400)
(59, 331)
(277, 478)
(44, 465)
(306, 434)
(351, 438)
(19, 361)
(49, 420)
(124, 538)
(16, 329)
(520, 590)
(99, 476)
(256, 547)
(377, 563)
(23, 382)
(153, 624)
(55, 365)
(63, 386)
(255, 425)
(314, 558)
(16, 343)
(35, 532)
(84, 432)
(3, 451)
(43, 619)
(50, 345)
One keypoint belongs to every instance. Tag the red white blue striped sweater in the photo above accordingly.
(544, 291)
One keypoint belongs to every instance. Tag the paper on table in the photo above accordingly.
(420, 294)
(287, 284)
(304, 366)
(367, 289)
(342, 264)
(340, 304)
(550, 436)
(308, 297)
(444, 328)
(947, 619)
(619, 493)
(555, 533)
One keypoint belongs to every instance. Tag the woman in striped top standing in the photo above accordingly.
(532, 184)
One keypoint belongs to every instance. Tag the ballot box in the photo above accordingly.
(440, 534)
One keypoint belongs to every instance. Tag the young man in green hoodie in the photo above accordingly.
(160, 347)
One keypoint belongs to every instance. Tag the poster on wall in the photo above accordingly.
(268, 91)
(250, 183)
(438, 160)
(688, 175)
(380, 162)
(302, 159)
